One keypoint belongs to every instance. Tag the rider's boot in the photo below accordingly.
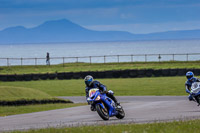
(117, 104)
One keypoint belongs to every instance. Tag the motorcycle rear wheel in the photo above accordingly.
(103, 113)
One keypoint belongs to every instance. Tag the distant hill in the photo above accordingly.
(67, 31)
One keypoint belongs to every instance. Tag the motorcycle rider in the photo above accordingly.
(190, 79)
(91, 83)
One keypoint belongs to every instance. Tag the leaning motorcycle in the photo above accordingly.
(105, 106)
(195, 91)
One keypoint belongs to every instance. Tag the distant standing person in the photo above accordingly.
(48, 59)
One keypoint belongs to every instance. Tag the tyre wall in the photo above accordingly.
(100, 74)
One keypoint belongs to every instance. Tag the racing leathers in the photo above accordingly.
(188, 85)
(102, 88)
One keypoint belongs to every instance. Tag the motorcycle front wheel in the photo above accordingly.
(197, 98)
(103, 113)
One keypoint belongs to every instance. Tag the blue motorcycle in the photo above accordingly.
(105, 106)
(195, 91)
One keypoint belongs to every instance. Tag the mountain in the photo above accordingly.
(67, 31)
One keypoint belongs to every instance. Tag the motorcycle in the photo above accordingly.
(195, 91)
(104, 105)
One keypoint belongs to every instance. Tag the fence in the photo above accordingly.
(101, 59)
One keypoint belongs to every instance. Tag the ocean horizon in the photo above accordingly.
(99, 49)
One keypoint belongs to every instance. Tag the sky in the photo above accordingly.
(135, 16)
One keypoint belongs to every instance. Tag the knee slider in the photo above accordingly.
(111, 92)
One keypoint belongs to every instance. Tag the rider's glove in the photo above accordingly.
(89, 102)
(192, 93)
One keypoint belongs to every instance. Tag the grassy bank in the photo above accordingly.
(12, 93)
(157, 86)
(77, 67)
(13, 110)
(168, 127)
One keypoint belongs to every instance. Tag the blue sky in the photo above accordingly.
(135, 16)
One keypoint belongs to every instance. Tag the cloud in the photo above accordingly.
(142, 28)
(98, 12)
(74, 4)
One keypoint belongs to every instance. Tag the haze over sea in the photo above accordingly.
(101, 48)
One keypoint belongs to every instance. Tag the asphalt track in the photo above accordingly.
(138, 109)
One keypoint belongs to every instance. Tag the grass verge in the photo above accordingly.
(157, 86)
(11, 95)
(191, 126)
(77, 67)
(13, 110)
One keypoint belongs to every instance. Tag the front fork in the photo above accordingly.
(111, 109)
(197, 98)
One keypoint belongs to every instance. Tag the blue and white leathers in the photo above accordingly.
(188, 85)
(195, 91)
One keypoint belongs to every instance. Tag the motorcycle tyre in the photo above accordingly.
(100, 112)
(121, 114)
(197, 98)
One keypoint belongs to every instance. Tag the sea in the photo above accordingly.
(99, 52)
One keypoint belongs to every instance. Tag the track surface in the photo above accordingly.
(138, 109)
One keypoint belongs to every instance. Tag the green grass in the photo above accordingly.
(191, 126)
(157, 86)
(77, 67)
(12, 93)
(12, 110)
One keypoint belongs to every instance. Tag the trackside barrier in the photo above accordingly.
(100, 74)
(32, 101)
(101, 59)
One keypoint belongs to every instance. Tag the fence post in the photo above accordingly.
(35, 61)
(76, 59)
(118, 58)
(145, 58)
(104, 59)
(63, 61)
(131, 58)
(172, 57)
(187, 56)
(90, 59)
(21, 61)
(7, 61)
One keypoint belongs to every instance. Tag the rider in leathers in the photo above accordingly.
(90, 84)
(190, 79)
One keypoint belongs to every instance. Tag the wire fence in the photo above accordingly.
(101, 59)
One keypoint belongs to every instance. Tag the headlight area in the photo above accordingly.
(98, 98)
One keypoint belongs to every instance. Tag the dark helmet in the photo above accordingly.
(189, 75)
(88, 80)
